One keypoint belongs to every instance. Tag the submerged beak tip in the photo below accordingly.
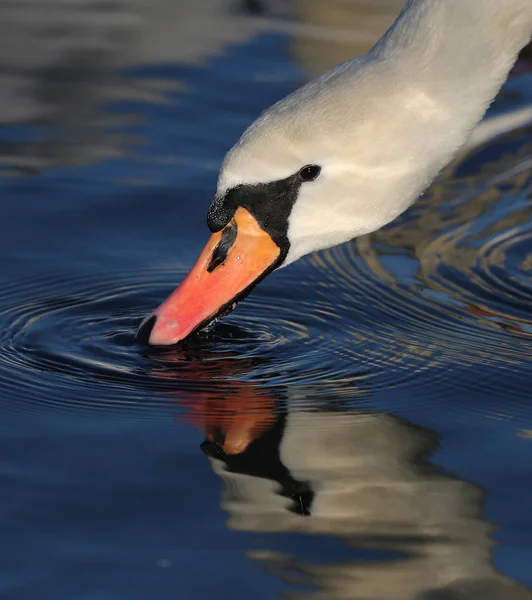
(156, 332)
(145, 329)
(227, 269)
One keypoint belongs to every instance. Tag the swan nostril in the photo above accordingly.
(221, 251)
(145, 329)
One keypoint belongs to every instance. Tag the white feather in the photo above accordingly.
(383, 125)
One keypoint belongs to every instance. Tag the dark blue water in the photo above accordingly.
(383, 387)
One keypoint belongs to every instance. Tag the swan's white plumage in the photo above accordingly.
(383, 125)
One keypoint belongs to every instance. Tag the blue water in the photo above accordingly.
(390, 377)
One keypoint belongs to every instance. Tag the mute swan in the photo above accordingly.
(348, 152)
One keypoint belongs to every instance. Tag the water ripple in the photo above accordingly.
(446, 286)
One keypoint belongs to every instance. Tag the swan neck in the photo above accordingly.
(457, 41)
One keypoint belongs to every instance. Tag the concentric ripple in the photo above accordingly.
(443, 295)
(70, 342)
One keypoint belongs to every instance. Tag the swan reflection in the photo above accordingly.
(410, 530)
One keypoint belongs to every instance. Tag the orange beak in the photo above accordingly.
(233, 260)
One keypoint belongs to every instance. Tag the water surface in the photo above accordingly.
(382, 388)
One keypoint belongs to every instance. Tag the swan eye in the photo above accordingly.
(309, 173)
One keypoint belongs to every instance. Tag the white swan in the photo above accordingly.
(348, 152)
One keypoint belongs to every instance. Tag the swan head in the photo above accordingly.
(347, 153)
(321, 167)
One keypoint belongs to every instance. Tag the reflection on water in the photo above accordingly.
(64, 63)
(121, 113)
(338, 30)
(410, 530)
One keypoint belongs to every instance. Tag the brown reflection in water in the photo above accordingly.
(332, 32)
(338, 30)
(440, 228)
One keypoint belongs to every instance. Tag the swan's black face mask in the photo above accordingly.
(250, 240)
(269, 203)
